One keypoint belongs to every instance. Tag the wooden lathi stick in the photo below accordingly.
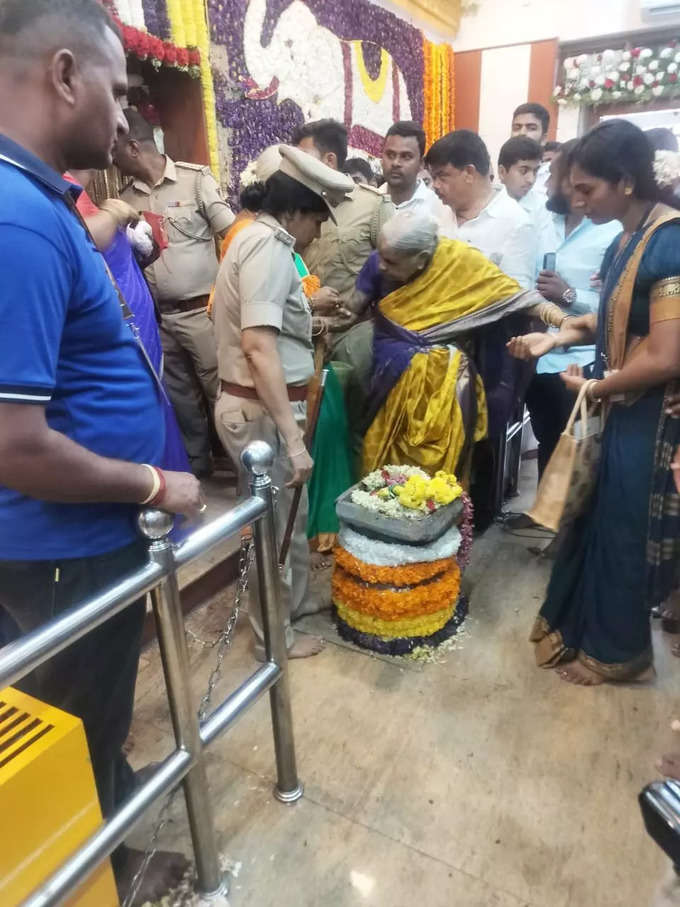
(310, 431)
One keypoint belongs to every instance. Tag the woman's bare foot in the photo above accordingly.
(669, 765)
(165, 871)
(579, 674)
(669, 612)
(306, 646)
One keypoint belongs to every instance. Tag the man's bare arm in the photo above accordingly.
(42, 463)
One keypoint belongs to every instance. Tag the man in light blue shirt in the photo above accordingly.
(579, 248)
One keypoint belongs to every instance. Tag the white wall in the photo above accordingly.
(504, 86)
(502, 22)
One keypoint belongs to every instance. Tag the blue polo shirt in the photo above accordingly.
(64, 345)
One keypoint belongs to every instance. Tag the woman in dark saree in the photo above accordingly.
(621, 557)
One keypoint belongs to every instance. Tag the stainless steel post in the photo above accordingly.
(257, 458)
(156, 526)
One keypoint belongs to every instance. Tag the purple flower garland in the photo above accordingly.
(156, 18)
(255, 124)
(467, 529)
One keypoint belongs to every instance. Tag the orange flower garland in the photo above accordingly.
(390, 604)
(438, 90)
(311, 285)
(407, 575)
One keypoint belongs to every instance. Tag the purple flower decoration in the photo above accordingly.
(251, 110)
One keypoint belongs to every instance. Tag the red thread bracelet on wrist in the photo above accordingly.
(160, 494)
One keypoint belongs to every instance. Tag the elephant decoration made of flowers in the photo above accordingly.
(323, 74)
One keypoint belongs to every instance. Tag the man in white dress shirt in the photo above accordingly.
(402, 162)
(533, 121)
(518, 165)
(487, 217)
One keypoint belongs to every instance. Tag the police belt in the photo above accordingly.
(172, 306)
(297, 393)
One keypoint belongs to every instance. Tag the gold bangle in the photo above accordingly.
(156, 487)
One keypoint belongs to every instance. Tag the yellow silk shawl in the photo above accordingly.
(421, 422)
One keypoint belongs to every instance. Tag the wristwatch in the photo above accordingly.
(569, 296)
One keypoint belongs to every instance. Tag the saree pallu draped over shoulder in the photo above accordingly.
(427, 401)
(623, 555)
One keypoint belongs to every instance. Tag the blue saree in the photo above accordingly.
(607, 575)
(121, 260)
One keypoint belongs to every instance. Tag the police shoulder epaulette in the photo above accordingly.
(186, 165)
(368, 188)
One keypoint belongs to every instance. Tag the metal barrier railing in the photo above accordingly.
(186, 762)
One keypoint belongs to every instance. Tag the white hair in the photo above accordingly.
(411, 232)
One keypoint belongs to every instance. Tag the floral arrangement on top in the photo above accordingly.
(406, 492)
(638, 74)
(160, 53)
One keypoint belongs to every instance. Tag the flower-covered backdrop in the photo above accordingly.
(172, 33)
(279, 63)
(630, 74)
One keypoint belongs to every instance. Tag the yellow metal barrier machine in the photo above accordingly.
(48, 800)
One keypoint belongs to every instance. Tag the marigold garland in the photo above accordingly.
(403, 645)
(438, 90)
(406, 575)
(391, 604)
(422, 625)
(207, 85)
(310, 285)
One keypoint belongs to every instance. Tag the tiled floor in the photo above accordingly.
(476, 782)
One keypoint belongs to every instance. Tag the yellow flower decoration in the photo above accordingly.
(392, 604)
(421, 625)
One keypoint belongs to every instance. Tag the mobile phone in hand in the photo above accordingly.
(549, 261)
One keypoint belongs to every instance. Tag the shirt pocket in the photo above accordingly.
(184, 224)
(354, 246)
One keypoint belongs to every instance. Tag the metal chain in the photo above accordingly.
(223, 643)
(152, 848)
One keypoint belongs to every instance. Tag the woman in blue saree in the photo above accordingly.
(119, 254)
(621, 557)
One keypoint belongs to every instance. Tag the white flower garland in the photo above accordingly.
(376, 479)
(388, 554)
(666, 168)
(637, 74)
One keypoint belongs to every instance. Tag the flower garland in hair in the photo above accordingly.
(666, 168)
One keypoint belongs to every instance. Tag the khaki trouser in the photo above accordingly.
(190, 375)
(355, 348)
(239, 422)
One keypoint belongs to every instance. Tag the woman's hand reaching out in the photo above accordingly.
(531, 346)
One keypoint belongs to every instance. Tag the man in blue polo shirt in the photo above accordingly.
(81, 427)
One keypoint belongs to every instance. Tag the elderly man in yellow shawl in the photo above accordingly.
(428, 404)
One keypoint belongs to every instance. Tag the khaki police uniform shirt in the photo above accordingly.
(189, 199)
(258, 286)
(341, 252)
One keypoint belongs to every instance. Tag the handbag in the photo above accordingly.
(568, 480)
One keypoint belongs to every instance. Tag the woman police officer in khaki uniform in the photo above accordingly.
(263, 325)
